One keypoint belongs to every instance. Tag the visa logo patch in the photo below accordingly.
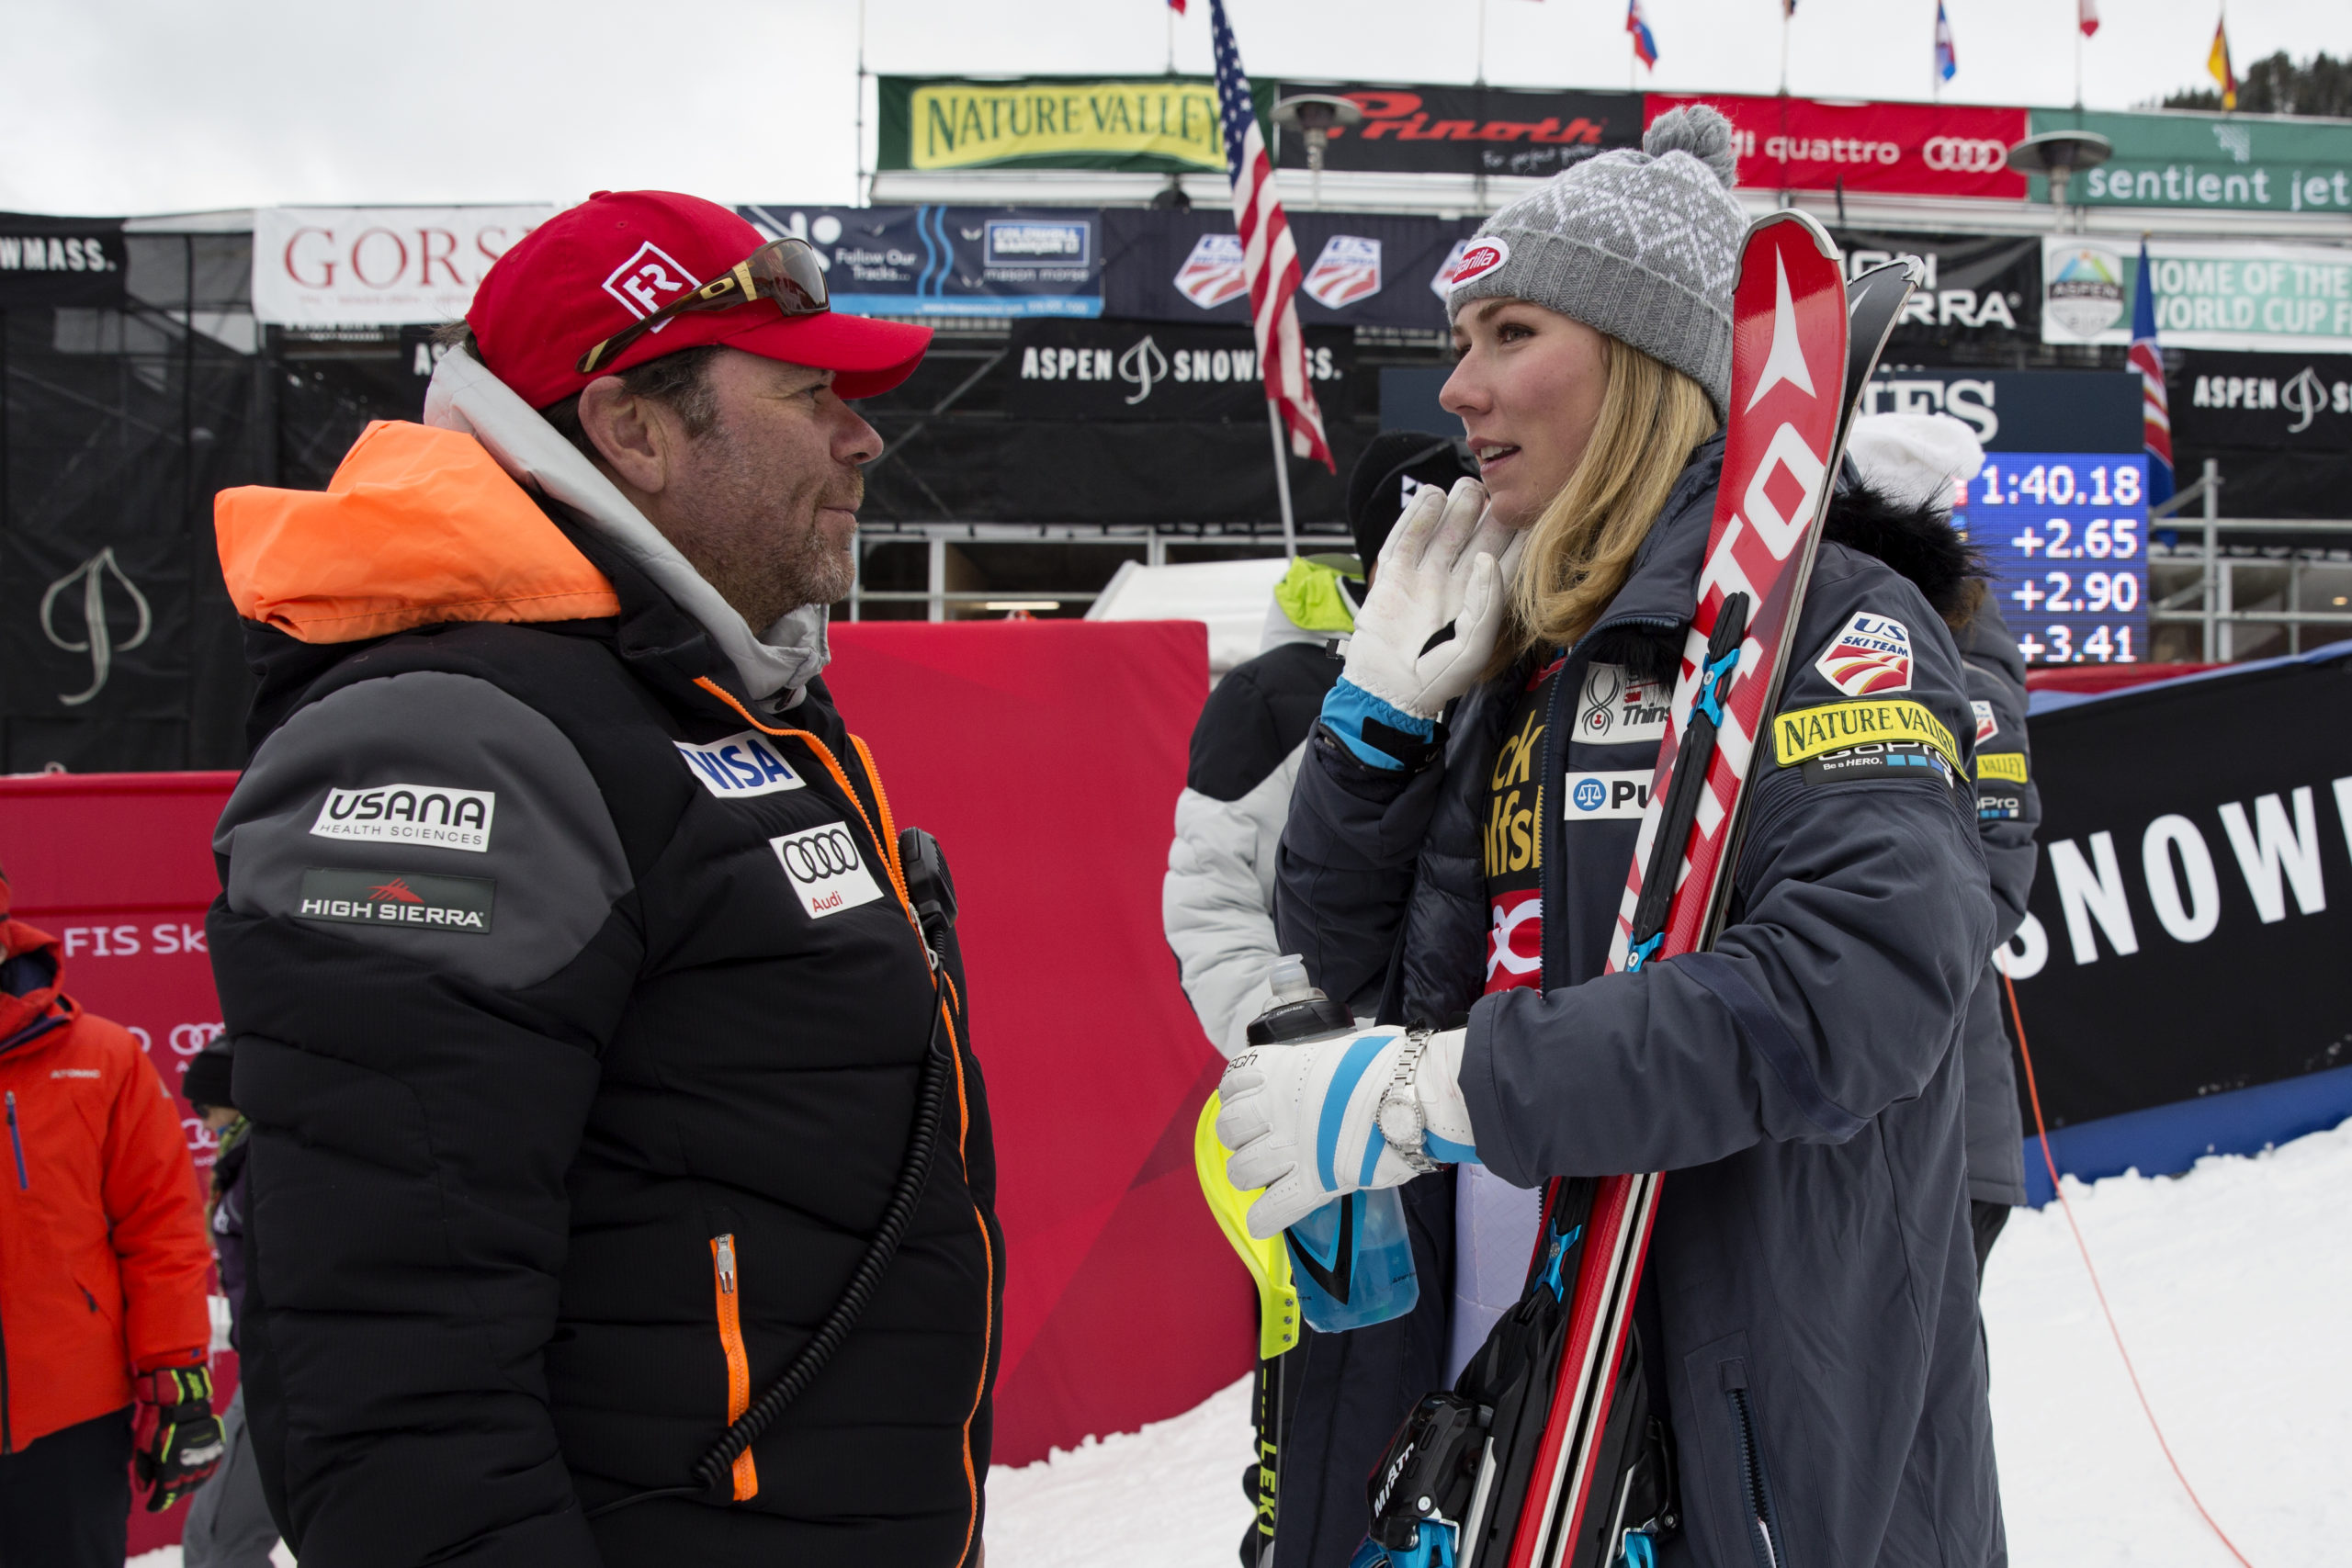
(825, 869)
(1618, 797)
(740, 766)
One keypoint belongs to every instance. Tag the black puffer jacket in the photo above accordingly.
(1809, 1311)
(558, 1164)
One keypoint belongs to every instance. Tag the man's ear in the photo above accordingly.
(628, 432)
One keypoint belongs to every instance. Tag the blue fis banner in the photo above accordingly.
(950, 261)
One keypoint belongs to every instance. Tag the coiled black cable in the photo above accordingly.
(711, 1470)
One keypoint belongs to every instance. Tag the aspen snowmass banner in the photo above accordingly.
(1145, 124)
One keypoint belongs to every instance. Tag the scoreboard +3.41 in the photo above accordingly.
(2065, 535)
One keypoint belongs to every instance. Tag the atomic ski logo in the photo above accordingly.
(1213, 274)
(1347, 271)
(1871, 656)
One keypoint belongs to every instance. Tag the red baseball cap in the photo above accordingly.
(591, 270)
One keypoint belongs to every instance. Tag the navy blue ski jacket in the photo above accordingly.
(1811, 1277)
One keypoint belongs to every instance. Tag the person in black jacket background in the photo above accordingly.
(581, 1010)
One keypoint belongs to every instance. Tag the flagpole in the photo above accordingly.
(1784, 49)
(1172, 39)
(2078, 57)
(1281, 479)
(858, 180)
(1480, 80)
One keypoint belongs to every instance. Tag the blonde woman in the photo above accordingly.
(1807, 1384)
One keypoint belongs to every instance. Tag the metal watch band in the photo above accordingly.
(1412, 1146)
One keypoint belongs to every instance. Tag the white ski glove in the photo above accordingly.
(1311, 1123)
(1445, 564)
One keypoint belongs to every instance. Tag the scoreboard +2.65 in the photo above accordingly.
(2065, 535)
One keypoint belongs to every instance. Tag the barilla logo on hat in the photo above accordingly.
(649, 279)
(1481, 258)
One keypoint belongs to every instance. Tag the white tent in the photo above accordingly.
(1232, 596)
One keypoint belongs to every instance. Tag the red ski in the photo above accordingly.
(1532, 1503)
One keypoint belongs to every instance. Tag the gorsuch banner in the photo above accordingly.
(1467, 131)
(1142, 124)
(1880, 149)
(2209, 294)
(358, 267)
(2188, 926)
(950, 261)
(2250, 163)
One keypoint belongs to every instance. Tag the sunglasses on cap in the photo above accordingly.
(785, 271)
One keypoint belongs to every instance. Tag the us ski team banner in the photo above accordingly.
(2188, 930)
(1358, 268)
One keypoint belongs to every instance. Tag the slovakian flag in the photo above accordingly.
(1645, 41)
(2155, 411)
(1269, 253)
(2086, 16)
(1947, 59)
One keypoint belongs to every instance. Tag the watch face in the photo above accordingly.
(1400, 1122)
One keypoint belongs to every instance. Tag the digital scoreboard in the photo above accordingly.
(2066, 537)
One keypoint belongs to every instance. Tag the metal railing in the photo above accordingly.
(2215, 591)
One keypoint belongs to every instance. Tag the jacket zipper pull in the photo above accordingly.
(726, 1245)
(16, 1140)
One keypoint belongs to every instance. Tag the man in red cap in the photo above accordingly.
(621, 1188)
(104, 1271)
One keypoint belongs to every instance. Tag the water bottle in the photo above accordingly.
(1351, 1260)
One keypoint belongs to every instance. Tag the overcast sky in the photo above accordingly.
(159, 106)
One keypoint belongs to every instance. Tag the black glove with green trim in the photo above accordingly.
(176, 1439)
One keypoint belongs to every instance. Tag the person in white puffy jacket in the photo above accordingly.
(1217, 903)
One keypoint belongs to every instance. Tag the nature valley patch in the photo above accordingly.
(2006, 765)
(1836, 727)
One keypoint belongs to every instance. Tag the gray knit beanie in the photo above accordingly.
(1643, 246)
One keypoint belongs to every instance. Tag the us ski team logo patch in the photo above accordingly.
(1873, 655)
(1987, 726)
(1347, 271)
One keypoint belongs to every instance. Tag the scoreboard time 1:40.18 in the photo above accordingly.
(2065, 535)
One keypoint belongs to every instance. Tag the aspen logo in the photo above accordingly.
(408, 898)
(825, 869)
(1836, 727)
(1619, 796)
(1617, 708)
(740, 766)
(1481, 258)
(1987, 726)
(648, 280)
(409, 814)
(1871, 655)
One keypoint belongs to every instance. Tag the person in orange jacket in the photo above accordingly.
(104, 1268)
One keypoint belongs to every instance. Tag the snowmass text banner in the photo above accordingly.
(1145, 124)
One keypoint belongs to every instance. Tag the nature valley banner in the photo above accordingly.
(1145, 124)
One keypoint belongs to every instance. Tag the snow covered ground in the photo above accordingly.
(2231, 1284)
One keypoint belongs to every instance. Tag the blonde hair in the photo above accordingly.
(1581, 548)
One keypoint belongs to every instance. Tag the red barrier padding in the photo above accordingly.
(1046, 756)
(2104, 677)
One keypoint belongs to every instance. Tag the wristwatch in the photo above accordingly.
(1399, 1117)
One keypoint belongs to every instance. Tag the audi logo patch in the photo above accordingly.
(825, 871)
(1960, 155)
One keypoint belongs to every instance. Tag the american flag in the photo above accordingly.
(1269, 256)
(2155, 414)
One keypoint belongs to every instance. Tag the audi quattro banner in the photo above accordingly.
(355, 266)
(1147, 124)
(1361, 269)
(2209, 294)
(1881, 149)
(1113, 369)
(1467, 131)
(1976, 290)
(2186, 932)
(61, 261)
(950, 261)
(2249, 163)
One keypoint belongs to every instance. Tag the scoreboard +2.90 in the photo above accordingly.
(2065, 535)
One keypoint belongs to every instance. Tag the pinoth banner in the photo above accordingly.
(1433, 130)
(2188, 926)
